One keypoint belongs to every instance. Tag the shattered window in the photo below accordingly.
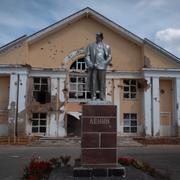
(40, 89)
(77, 81)
(130, 122)
(39, 121)
(130, 89)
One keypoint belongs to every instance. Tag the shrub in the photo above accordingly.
(37, 170)
(126, 161)
(138, 164)
(65, 159)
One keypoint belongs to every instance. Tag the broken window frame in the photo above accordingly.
(40, 84)
(130, 89)
(77, 86)
(36, 123)
(130, 122)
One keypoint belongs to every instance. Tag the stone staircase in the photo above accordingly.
(76, 141)
(127, 142)
(56, 141)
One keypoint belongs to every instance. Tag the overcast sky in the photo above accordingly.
(157, 20)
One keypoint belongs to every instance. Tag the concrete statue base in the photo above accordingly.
(99, 142)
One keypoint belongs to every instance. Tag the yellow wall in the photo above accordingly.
(50, 51)
(15, 55)
(4, 97)
(132, 106)
(4, 91)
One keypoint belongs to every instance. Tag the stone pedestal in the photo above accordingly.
(99, 143)
(99, 135)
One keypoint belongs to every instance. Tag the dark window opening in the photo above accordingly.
(40, 90)
(73, 126)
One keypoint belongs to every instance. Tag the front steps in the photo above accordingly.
(22, 140)
(127, 142)
(57, 141)
(76, 141)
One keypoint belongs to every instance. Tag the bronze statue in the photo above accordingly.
(98, 57)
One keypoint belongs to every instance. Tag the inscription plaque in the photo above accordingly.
(99, 135)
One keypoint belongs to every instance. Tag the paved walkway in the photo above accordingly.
(14, 158)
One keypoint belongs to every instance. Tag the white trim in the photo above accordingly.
(13, 70)
(161, 69)
(177, 102)
(163, 51)
(55, 27)
(48, 73)
(117, 102)
(124, 75)
(121, 30)
(23, 81)
(147, 109)
(12, 44)
(170, 73)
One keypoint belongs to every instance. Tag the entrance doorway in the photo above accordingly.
(166, 108)
(73, 126)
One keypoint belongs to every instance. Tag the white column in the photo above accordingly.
(22, 104)
(22, 92)
(13, 91)
(12, 104)
(53, 117)
(156, 106)
(177, 101)
(117, 102)
(61, 127)
(148, 109)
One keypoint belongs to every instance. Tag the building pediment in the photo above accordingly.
(88, 13)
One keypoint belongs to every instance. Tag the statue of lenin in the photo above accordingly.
(98, 57)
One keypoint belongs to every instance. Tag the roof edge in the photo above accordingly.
(162, 50)
(84, 11)
(117, 26)
(56, 24)
(14, 42)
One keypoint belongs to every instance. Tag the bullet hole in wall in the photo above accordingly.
(162, 91)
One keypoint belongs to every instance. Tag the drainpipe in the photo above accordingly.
(57, 106)
(17, 104)
(152, 123)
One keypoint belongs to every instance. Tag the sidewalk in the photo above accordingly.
(165, 157)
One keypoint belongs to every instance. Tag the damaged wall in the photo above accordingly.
(57, 124)
(53, 108)
(17, 105)
(57, 51)
(52, 49)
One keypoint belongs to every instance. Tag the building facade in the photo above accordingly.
(43, 77)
